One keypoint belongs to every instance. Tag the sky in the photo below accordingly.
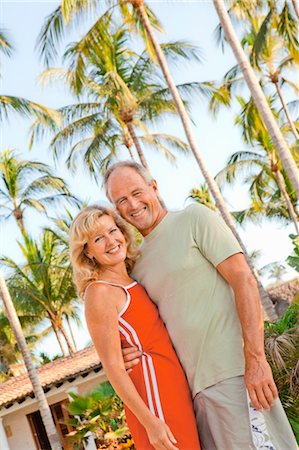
(194, 21)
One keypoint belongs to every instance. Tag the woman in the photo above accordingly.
(119, 313)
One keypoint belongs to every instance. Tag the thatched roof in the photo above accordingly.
(283, 294)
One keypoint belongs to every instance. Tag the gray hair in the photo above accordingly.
(144, 173)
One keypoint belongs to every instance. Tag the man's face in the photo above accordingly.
(136, 201)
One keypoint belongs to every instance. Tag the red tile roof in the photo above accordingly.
(50, 374)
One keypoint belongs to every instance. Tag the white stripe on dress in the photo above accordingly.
(155, 387)
(145, 370)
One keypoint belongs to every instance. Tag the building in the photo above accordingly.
(21, 427)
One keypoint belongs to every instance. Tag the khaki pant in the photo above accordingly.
(226, 421)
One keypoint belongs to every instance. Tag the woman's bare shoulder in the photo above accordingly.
(99, 295)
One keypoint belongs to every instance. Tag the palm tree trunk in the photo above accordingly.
(71, 332)
(287, 112)
(296, 9)
(131, 153)
(139, 5)
(58, 337)
(259, 97)
(127, 141)
(282, 188)
(67, 340)
(18, 215)
(37, 388)
(137, 145)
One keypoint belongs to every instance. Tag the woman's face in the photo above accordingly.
(107, 244)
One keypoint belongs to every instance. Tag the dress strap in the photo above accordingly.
(125, 288)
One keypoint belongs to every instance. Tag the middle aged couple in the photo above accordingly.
(193, 269)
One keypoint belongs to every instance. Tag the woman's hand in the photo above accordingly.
(159, 435)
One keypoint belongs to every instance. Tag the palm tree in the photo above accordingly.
(270, 190)
(270, 41)
(275, 270)
(259, 97)
(37, 388)
(126, 93)
(28, 184)
(43, 284)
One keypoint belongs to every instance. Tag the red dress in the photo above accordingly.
(159, 377)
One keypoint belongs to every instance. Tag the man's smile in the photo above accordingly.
(138, 213)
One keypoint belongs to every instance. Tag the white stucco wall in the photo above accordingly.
(21, 438)
(15, 417)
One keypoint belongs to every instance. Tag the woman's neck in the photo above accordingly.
(116, 274)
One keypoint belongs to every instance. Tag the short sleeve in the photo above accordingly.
(213, 237)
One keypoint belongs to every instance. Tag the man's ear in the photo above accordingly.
(155, 186)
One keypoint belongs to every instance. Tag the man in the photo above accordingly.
(194, 270)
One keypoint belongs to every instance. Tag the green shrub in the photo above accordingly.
(101, 413)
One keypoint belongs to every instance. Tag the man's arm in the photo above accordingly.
(258, 375)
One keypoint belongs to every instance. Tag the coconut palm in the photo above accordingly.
(274, 270)
(259, 97)
(126, 93)
(37, 388)
(43, 284)
(28, 185)
(270, 41)
(270, 190)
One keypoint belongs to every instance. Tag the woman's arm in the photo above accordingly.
(102, 321)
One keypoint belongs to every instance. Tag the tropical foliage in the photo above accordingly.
(293, 260)
(43, 286)
(269, 37)
(28, 185)
(282, 350)
(121, 93)
(100, 412)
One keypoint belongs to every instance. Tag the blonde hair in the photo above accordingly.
(86, 270)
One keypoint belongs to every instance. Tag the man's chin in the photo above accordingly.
(139, 224)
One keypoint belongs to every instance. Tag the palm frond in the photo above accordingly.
(260, 41)
(288, 27)
(50, 36)
(5, 45)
